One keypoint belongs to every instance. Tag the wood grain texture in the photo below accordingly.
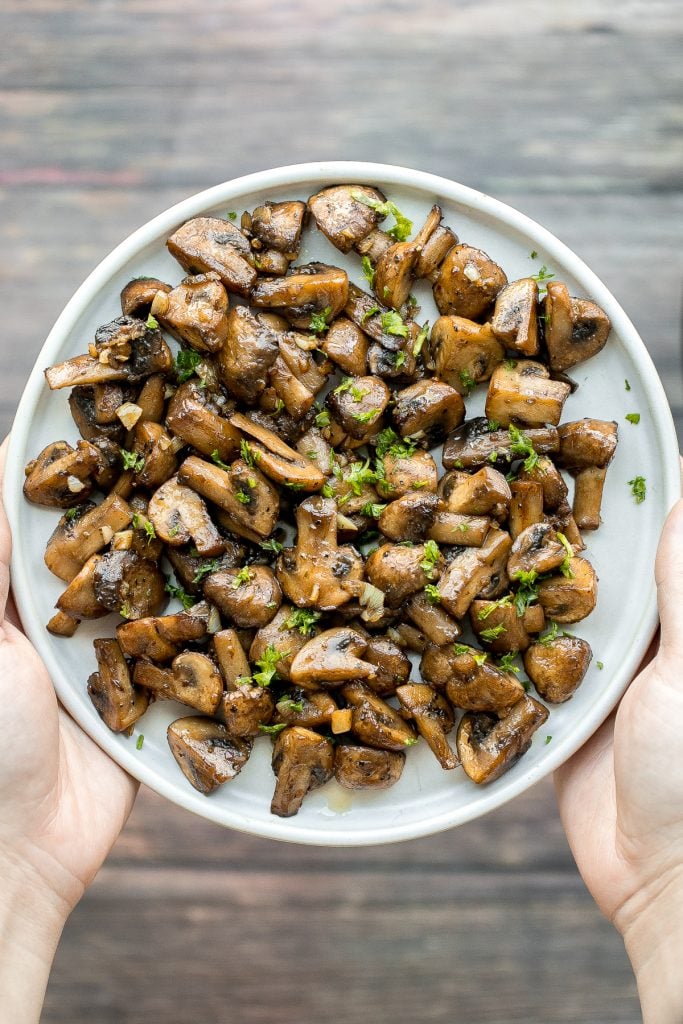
(111, 111)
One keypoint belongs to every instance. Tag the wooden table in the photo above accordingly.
(113, 110)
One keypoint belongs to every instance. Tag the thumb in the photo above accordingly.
(5, 537)
(669, 578)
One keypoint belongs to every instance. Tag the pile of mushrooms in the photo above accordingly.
(277, 476)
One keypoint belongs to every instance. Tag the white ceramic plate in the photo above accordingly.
(427, 799)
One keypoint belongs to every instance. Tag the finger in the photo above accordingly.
(5, 537)
(669, 578)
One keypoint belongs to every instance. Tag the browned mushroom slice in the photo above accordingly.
(404, 473)
(342, 216)
(311, 290)
(192, 679)
(573, 597)
(465, 353)
(374, 245)
(137, 296)
(468, 282)
(276, 459)
(433, 717)
(62, 624)
(428, 410)
(248, 596)
(316, 572)
(160, 638)
(393, 666)
(497, 624)
(473, 683)
(536, 549)
(124, 350)
(195, 312)
(302, 761)
(61, 476)
(191, 417)
(309, 708)
(249, 499)
(118, 703)
(514, 320)
(409, 517)
(374, 721)
(151, 399)
(330, 659)
(295, 349)
(206, 244)
(179, 516)
(575, 329)
(399, 571)
(395, 269)
(473, 444)
(362, 309)
(158, 450)
(77, 538)
(286, 640)
(521, 391)
(79, 600)
(248, 354)
(488, 747)
(207, 754)
(588, 496)
(347, 346)
(587, 442)
(479, 494)
(471, 571)
(434, 252)
(231, 658)
(453, 528)
(126, 583)
(360, 767)
(278, 225)
(432, 620)
(556, 666)
(246, 708)
(84, 410)
(359, 404)
(296, 397)
(526, 505)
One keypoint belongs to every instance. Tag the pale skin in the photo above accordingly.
(620, 800)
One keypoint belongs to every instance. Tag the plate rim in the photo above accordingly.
(327, 173)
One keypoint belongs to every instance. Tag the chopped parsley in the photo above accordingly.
(327, 491)
(289, 704)
(206, 570)
(267, 665)
(492, 425)
(358, 393)
(521, 446)
(410, 742)
(322, 419)
(403, 226)
(303, 620)
(433, 594)
(420, 340)
(399, 359)
(467, 381)
(393, 324)
(553, 633)
(389, 443)
(272, 545)
(505, 664)
(633, 417)
(368, 270)
(430, 558)
(272, 730)
(319, 321)
(373, 509)
(186, 363)
(600, 665)
(132, 460)
(527, 592)
(152, 323)
(543, 275)
(492, 633)
(247, 454)
(502, 602)
(358, 477)
(243, 497)
(566, 568)
(232, 214)
(141, 740)
(186, 600)
(370, 312)
(533, 255)
(243, 576)
(125, 611)
(547, 740)
(215, 457)
(366, 417)
(627, 386)
(74, 513)
(638, 488)
(346, 385)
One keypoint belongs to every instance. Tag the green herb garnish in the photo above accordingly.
(368, 270)
(420, 340)
(521, 446)
(638, 488)
(432, 593)
(206, 570)
(272, 545)
(215, 457)
(322, 419)
(430, 558)
(141, 740)
(492, 633)
(403, 226)
(303, 620)
(132, 460)
(272, 730)
(393, 324)
(152, 323)
(243, 576)
(186, 362)
(319, 321)
(187, 600)
(267, 665)
(633, 417)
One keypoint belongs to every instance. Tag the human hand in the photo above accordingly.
(63, 802)
(621, 802)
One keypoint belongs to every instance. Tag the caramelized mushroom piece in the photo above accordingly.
(514, 320)
(557, 666)
(61, 476)
(360, 767)
(206, 244)
(192, 417)
(570, 598)
(286, 640)
(433, 717)
(128, 584)
(62, 624)
(125, 350)
(434, 252)
(537, 549)
(192, 680)
(399, 571)
(465, 353)
(137, 296)
(195, 312)
(473, 444)
(179, 516)
(405, 473)
(87, 416)
(393, 666)
(432, 620)
(316, 573)
(158, 451)
(347, 346)
(588, 496)
(526, 505)
(523, 392)
(358, 405)
(479, 494)
(468, 282)
(453, 528)
(501, 629)
(311, 290)
(428, 410)
(472, 570)
(302, 761)
(342, 216)
(231, 658)
(251, 503)
(330, 659)
(395, 268)
(249, 597)
(276, 459)
(488, 747)
(409, 517)
(161, 638)
(471, 682)
(575, 329)
(587, 442)
(248, 354)
(278, 225)
(375, 722)
(118, 703)
(77, 538)
(79, 600)
(310, 708)
(246, 708)
(207, 754)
